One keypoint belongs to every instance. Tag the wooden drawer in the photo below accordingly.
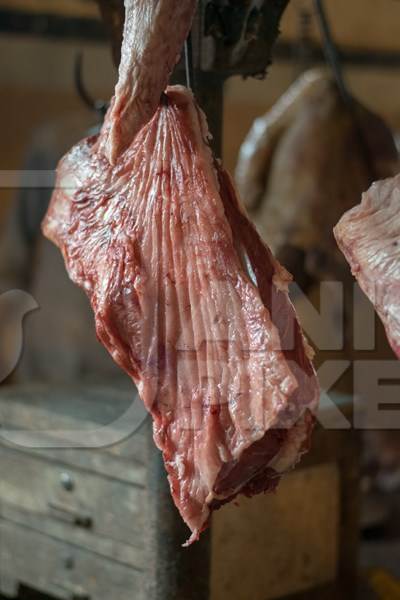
(37, 408)
(103, 506)
(61, 569)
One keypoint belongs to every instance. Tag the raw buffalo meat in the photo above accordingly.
(256, 154)
(191, 303)
(149, 54)
(369, 237)
(303, 165)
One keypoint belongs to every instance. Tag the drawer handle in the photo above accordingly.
(71, 516)
(67, 482)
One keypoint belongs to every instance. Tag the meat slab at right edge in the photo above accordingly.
(191, 304)
(369, 237)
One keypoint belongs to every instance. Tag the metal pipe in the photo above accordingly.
(351, 57)
(53, 26)
(174, 572)
(210, 96)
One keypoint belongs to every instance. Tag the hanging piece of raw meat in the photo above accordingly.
(303, 164)
(256, 154)
(369, 237)
(186, 297)
(191, 304)
(154, 33)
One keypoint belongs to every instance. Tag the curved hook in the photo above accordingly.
(98, 106)
(331, 52)
(332, 57)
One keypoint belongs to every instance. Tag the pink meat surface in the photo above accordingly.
(154, 33)
(191, 304)
(369, 237)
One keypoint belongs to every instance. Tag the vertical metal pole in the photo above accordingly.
(209, 94)
(174, 573)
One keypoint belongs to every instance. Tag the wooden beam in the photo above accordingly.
(63, 8)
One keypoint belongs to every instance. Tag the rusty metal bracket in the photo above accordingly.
(235, 37)
(174, 572)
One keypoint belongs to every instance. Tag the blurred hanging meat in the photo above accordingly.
(369, 237)
(306, 162)
(191, 304)
(149, 54)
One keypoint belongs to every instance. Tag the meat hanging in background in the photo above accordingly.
(303, 164)
(369, 237)
(191, 304)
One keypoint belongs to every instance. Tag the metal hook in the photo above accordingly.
(99, 106)
(330, 51)
(189, 62)
(332, 57)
